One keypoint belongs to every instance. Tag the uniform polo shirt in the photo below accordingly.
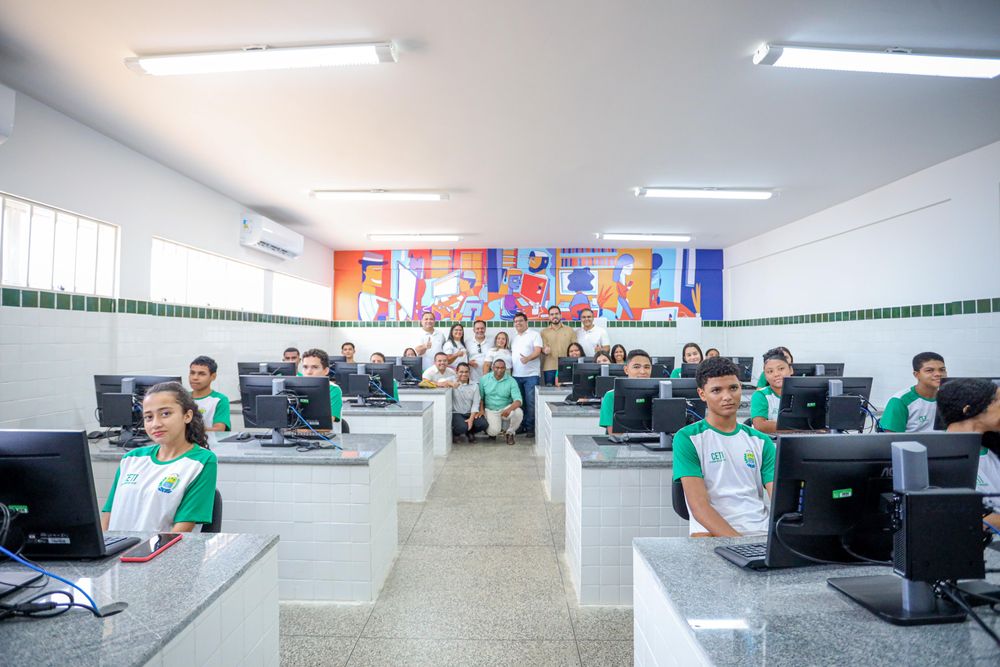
(909, 412)
(764, 404)
(214, 409)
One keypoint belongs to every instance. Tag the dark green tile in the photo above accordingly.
(107, 305)
(63, 302)
(938, 309)
(11, 297)
(949, 308)
(187, 311)
(130, 305)
(29, 298)
(927, 310)
(996, 305)
(904, 311)
(877, 313)
(896, 312)
(201, 313)
(47, 299)
(141, 307)
(93, 304)
(983, 306)
(79, 302)
(121, 306)
(968, 307)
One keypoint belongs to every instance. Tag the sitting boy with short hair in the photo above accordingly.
(725, 467)
(213, 405)
(913, 410)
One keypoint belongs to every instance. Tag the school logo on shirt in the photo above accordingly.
(718, 457)
(131, 479)
(921, 419)
(750, 459)
(980, 481)
(169, 483)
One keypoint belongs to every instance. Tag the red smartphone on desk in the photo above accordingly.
(151, 548)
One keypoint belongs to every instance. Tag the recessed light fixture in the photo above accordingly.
(656, 238)
(886, 61)
(380, 195)
(417, 238)
(262, 57)
(702, 193)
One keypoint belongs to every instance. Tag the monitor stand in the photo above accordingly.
(882, 595)
(130, 438)
(277, 439)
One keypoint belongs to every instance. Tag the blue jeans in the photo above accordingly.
(527, 386)
(550, 378)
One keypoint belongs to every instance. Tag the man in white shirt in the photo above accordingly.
(526, 349)
(429, 342)
(478, 349)
(592, 338)
(439, 373)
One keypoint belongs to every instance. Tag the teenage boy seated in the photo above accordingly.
(912, 410)
(213, 405)
(292, 354)
(638, 364)
(724, 466)
(347, 349)
(439, 373)
(379, 358)
(764, 402)
(316, 363)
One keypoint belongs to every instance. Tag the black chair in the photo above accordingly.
(344, 428)
(679, 503)
(216, 525)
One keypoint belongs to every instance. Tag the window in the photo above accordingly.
(179, 274)
(301, 298)
(45, 248)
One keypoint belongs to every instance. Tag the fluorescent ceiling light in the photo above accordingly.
(430, 238)
(661, 238)
(888, 61)
(264, 58)
(379, 195)
(702, 193)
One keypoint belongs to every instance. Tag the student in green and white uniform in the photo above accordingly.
(316, 363)
(638, 364)
(725, 467)
(292, 354)
(913, 410)
(379, 358)
(690, 354)
(168, 486)
(762, 381)
(213, 406)
(764, 402)
(970, 405)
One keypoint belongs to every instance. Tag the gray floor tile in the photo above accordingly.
(485, 453)
(407, 514)
(470, 482)
(606, 654)
(557, 522)
(592, 622)
(315, 651)
(431, 652)
(482, 522)
(439, 464)
(323, 618)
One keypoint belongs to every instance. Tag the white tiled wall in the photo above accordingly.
(440, 413)
(48, 358)
(555, 454)
(661, 637)
(414, 447)
(239, 628)
(605, 509)
(543, 417)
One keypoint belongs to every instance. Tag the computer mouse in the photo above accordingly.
(243, 436)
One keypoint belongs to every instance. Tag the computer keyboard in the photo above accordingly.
(750, 556)
(636, 438)
(115, 544)
(590, 402)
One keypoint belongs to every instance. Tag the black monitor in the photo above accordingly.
(836, 482)
(119, 404)
(413, 370)
(566, 366)
(664, 361)
(284, 368)
(804, 404)
(357, 385)
(660, 371)
(689, 370)
(584, 378)
(745, 364)
(341, 373)
(633, 406)
(818, 369)
(47, 482)
(307, 399)
(687, 388)
(336, 359)
(381, 376)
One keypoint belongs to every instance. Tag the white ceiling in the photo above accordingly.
(539, 116)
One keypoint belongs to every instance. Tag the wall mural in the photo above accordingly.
(652, 284)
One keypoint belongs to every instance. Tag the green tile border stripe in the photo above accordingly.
(32, 298)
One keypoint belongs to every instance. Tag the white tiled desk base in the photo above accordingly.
(543, 416)
(337, 523)
(555, 454)
(441, 415)
(605, 509)
(661, 637)
(239, 628)
(414, 448)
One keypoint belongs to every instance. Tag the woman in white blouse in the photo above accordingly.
(455, 346)
(501, 350)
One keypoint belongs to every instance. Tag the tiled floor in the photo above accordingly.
(480, 580)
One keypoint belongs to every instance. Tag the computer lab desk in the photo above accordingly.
(694, 608)
(335, 510)
(440, 397)
(545, 394)
(207, 600)
(563, 419)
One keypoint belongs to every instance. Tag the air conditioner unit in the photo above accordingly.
(268, 236)
(6, 112)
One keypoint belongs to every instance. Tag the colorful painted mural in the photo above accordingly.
(494, 283)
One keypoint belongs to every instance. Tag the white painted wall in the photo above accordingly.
(55, 160)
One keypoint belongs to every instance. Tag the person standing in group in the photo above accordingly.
(592, 338)
(429, 340)
(500, 350)
(455, 346)
(526, 348)
(556, 339)
(479, 349)
(466, 416)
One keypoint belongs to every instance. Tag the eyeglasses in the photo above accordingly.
(479, 348)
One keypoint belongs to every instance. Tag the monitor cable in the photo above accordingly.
(309, 445)
(947, 589)
(795, 516)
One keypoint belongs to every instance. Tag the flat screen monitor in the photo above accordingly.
(283, 368)
(633, 406)
(689, 371)
(342, 372)
(665, 361)
(836, 483)
(381, 376)
(566, 366)
(124, 412)
(413, 369)
(803, 405)
(687, 389)
(745, 364)
(584, 378)
(309, 396)
(818, 369)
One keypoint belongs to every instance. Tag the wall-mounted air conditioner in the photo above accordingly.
(268, 236)
(6, 112)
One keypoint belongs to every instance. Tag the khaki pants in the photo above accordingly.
(494, 421)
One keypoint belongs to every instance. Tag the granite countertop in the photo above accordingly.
(560, 409)
(555, 391)
(357, 449)
(593, 455)
(401, 409)
(793, 617)
(421, 390)
(163, 596)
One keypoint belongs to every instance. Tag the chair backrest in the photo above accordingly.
(216, 525)
(680, 504)
(344, 428)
